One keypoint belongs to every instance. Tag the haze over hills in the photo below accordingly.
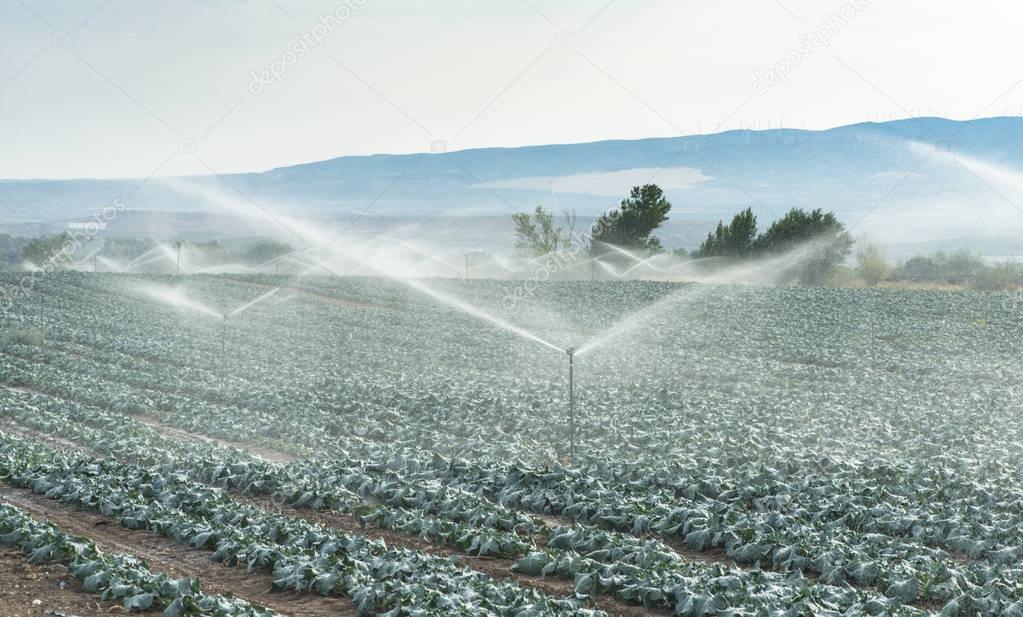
(916, 182)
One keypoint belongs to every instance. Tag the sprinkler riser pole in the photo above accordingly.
(223, 346)
(571, 403)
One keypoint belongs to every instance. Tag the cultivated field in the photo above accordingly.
(357, 446)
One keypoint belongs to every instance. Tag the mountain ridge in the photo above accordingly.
(915, 168)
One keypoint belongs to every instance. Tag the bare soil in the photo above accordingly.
(45, 590)
(50, 440)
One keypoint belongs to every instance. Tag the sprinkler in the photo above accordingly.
(571, 402)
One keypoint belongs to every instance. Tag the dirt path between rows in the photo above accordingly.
(45, 589)
(176, 560)
(46, 438)
(265, 454)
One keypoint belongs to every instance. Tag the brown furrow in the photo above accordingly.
(46, 589)
(47, 439)
(265, 454)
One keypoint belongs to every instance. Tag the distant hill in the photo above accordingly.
(921, 180)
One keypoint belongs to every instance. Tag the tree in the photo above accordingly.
(919, 269)
(997, 277)
(631, 224)
(733, 240)
(12, 251)
(538, 234)
(823, 236)
(49, 251)
(961, 267)
(871, 265)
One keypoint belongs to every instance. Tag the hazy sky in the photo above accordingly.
(128, 87)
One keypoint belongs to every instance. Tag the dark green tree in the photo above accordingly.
(733, 240)
(630, 225)
(821, 234)
(49, 251)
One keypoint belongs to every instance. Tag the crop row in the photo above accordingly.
(116, 577)
(298, 554)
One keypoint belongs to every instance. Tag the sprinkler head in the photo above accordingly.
(570, 351)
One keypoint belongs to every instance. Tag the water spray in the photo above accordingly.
(176, 297)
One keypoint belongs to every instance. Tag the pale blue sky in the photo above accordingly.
(125, 87)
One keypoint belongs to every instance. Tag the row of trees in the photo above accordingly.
(631, 226)
(958, 269)
(820, 234)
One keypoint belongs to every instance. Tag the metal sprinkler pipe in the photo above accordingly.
(571, 352)
(223, 346)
